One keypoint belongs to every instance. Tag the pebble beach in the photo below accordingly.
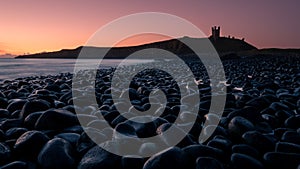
(259, 127)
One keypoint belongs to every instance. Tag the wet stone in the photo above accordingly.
(271, 120)
(248, 112)
(15, 165)
(239, 125)
(245, 149)
(14, 133)
(4, 113)
(5, 153)
(31, 119)
(30, 143)
(132, 162)
(73, 129)
(2, 135)
(16, 105)
(245, 161)
(3, 103)
(56, 154)
(55, 119)
(220, 143)
(282, 115)
(293, 122)
(195, 151)
(72, 138)
(279, 106)
(287, 147)
(15, 114)
(97, 157)
(259, 102)
(10, 123)
(281, 160)
(125, 129)
(34, 106)
(259, 141)
(208, 163)
(291, 137)
(280, 131)
(213, 130)
(263, 127)
(84, 143)
(162, 159)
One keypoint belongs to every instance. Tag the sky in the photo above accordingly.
(33, 26)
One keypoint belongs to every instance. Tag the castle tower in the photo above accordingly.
(215, 32)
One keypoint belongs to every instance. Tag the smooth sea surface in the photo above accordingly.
(15, 68)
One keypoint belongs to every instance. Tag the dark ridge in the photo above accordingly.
(223, 45)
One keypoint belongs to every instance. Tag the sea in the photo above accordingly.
(11, 68)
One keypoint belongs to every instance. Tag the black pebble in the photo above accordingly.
(208, 163)
(245, 161)
(162, 159)
(278, 160)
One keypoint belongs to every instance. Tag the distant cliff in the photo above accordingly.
(223, 45)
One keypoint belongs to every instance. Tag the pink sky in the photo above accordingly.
(35, 26)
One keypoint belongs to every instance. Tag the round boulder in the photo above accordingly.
(97, 157)
(56, 119)
(172, 157)
(208, 163)
(245, 161)
(30, 143)
(34, 106)
(56, 154)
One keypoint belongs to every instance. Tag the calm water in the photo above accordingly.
(15, 68)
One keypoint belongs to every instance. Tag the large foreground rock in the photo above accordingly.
(172, 157)
(97, 157)
(34, 106)
(57, 154)
(56, 119)
(30, 143)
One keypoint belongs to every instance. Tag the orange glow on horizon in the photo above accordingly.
(42, 26)
(142, 39)
(130, 41)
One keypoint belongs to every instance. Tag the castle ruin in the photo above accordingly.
(215, 32)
